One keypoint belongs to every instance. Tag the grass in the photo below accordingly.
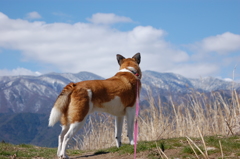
(172, 147)
(212, 114)
(29, 151)
(189, 150)
(200, 126)
(230, 146)
(197, 115)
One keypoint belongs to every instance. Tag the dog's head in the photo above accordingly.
(130, 64)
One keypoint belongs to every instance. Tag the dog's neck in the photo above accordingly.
(131, 70)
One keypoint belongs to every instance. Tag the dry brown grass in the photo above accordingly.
(212, 114)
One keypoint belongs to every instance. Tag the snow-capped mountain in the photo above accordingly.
(170, 83)
(36, 94)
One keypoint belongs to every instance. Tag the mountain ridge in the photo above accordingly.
(36, 94)
(26, 101)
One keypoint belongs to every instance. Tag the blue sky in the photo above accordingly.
(192, 38)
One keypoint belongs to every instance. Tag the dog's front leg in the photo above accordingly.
(130, 114)
(118, 129)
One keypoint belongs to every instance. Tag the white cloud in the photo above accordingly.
(222, 44)
(87, 47)
(33, 15)
(219, 52)
(18, 71)
(92, 47)
(108, 18)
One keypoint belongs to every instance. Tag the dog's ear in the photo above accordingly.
(120, 59)
(137, 57)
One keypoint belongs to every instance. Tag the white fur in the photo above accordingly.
(54, 116)
(114, 107)
(90, 99)
(89, 94)
(124, 70)
(60, 138)
(74, 127)
(132, 69)
(130, 115)
(118, 129)
(129, 69)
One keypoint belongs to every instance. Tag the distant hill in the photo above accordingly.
(26, 101)
(28, 128)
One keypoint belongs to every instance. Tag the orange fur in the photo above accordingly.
(123, 85)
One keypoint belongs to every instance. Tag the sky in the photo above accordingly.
(196, 39)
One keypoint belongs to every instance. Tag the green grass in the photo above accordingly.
(189, 150)
(230, 145)
(141, 146)
(29, 151)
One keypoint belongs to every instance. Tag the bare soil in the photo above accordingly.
(170, 153)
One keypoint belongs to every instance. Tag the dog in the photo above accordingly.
(116, 96)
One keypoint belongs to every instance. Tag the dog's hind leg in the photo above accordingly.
(130, 114)
(74, 127)
(79, 107)
(65, 128)
(118, 129)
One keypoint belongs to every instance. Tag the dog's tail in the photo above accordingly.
(61, 104)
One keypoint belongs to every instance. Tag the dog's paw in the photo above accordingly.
(63, 157)
(132, 142)
(118, 143)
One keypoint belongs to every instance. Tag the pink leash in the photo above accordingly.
(136, 123)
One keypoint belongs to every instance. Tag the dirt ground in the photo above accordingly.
(109, 156)
(170, 153)
(91, 155)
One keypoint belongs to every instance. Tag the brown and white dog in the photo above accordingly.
(115, 95)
